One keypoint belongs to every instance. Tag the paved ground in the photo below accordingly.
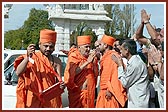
(9, 97)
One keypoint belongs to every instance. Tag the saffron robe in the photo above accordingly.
(109, 81)
(79, 98)
(28, 89)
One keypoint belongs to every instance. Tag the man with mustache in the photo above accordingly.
(36, 73)
(111, 94)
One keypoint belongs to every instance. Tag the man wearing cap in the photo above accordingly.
(36, 68)
(111, 94)
(80, 73)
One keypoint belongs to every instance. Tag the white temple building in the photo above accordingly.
(66, 17)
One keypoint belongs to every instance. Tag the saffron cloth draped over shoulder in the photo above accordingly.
(78, 96)
(27, 88)
(109, 80)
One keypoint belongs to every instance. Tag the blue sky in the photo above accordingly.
(20, 12)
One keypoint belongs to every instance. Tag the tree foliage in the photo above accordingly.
(120, 27)
(127, 20)
(29, 32)
(13, 39)
(83, 29)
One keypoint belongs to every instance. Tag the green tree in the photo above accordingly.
(114, 12)
(120, 27)
(127, 13)
(30, 31)
(12, 39)
(83, 29)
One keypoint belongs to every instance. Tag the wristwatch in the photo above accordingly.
(146, 22)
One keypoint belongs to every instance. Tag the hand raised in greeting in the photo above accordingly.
(30, 50)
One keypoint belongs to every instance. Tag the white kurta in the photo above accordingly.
(159, 87)
(135, 79)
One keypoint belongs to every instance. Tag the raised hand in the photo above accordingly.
(30, 50)
(91, 56)
(144, 16)
(117, 59)
(154, 55)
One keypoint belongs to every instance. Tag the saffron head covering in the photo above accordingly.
(47, 35)
(108, 40)
(84, 40)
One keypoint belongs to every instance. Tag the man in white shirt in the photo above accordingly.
(134, 78)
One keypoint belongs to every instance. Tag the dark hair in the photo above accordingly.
(110, 47)
(121, 40)
(155, 42)
(158, 29)
(117, 50)
(73, 44)
(130, 44)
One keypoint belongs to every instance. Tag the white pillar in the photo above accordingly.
(67, 35)
(60, 38)
(100, 33)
